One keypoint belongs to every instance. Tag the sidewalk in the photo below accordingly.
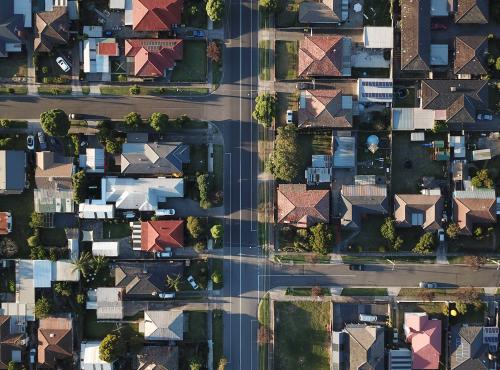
(32, 87)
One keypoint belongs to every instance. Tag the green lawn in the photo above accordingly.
(369, 237)
(219, 167)
(288, 15)
(264, 60)
(54, 90)
(218, 335)
(433, 309)
(318, 143)
(18, 90)
(115, 231)
(286, 60)
(380, 15)
(305, 292)
(93, 329)
(198, 159)
(180, 91)
(264, 320)
(364, 292)
(285, 101)
(381, 260)
(302, 335)
(370, 72)
(14, 65)
(301, 258)
(197, 326)
(193, 66)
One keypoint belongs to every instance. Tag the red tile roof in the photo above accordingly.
(153, 56)
(425, 338)
(321, 56)
(301, 207)
(156, 15)
(4, 223)
(108, 48)
(157, 235)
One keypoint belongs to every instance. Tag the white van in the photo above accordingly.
(367, 318)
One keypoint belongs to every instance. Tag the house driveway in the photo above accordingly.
(187, 207)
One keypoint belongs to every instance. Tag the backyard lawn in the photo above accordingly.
(115, 231)
(53, 237)
(264, 60)
(14, 65)
(418, 160)
(377, 12)
(288, 15)
(197, 326)
(302, 335)
(193, 66)
(97, 330)
(286, 60)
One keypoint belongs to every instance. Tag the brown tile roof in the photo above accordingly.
(158, 358)
(415, 35)
(321, 56)
(52, 171)
(301, 207)
(470, 55)
(156, 15)
(406, 206)
(472, 11)
(474, 207)
(326, 11)
(8, 341)
(55, 340)
(4, 223)
(51, 29)
(323, 108)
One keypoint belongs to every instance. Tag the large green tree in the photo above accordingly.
(43, 307)
(195, 227)
(158, 121)
(205, 187)
(55, 122)
(482, 179)
(133, 119)
(269, 5)
(320, 239)
(79, 181)
(111, 347)
(425, 244)
(217, 231)
(215, 9)
(286, 160)
(265, 109)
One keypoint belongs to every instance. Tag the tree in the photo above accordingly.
(36, 220)
(497, 64)
(264, 335)
(195, 363)
(265, 109)
(63, 288)
(461, 308)
(38, 253)
(452, 230)
(113, 146)
(133, 119)
(474, 262)
(215, 9)
(205, 187)
(195, 227)
(12, 366)
(213, 52)
(134, 90)
(55, 122)
(388, 230)
(82, 263)
(174, 282)
(445, 310)
(81, 299)
(216, 277)
(43, 308)
(320, 238)
(222, 363)
(98, 264)
(269, 5)
(425, 244)
(79, 181)
(217, 231)
(439, 126)
(158, 121)
(111, 347)
(482, 179)
(397, 243)
(286, 159)
(8, 248)
(182, 120)
(199, 247)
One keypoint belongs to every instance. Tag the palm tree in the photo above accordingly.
(174, 282)
(99, 263)
(82, 263)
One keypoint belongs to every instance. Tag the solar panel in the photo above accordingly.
(377, 83)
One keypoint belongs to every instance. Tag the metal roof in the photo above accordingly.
(344, 152)
(378, 37)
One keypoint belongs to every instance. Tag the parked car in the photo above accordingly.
(289, 116)
(166, 295)
(427, 285)
(438, 27)
(367, 318)
(32, 355)
(191, 281)
(30, 142)
(484, 116)
(441, 235)
(41, 140)
(356, 267)
(167, 252)
(108, 33)
(198, 33)
(63, 64)
(75, 116)
(129, 215)
(165, 212)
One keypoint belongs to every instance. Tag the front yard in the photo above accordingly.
(286, 57)
(288, 15)
(193, 66)
(13, 66)
(285, 101)
(197, 326)
(302, 335)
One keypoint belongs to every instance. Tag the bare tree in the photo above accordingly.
(475, 262)
(426, 295)
(264, 335)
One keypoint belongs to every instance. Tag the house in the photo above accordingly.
(55, 341)
(415, 35)
(326, 11)
(163, 325)
(358, 346)
(156, 15)
(12, 172)
(424, 335)
(12, 25)
(454, 101)
(470, 56)
(51, 29)
(96, 54)
(158, 235)
(472, 11)
(53, 171)
(325, 109)
(51, 200)
(141, 194)
(108, 248)
(157, 357)
(324, 56)
(154, 158)
(424, 210)
(89, 357)
(474, 207)
(362, 199)
(400, 359)
(471, 346)
(5, 223)
(144, 279)
(12, 341)
(107, 301)
(152, 57)
(96, 210)
(301, 207)
(93, 161)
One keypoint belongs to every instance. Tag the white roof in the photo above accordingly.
(24, 7)
(128, 13)
(95, 157)
(481, 154)
(93, 62)
(106, 249)
(417, 136)
(42, 273)
(116, 4)
(378, 37)
(109, 303)
(96, 210)
(409, 119)
(89, 357)
(64, 271)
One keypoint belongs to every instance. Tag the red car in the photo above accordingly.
(438, 26)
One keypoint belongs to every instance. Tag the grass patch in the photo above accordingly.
(218, 335)
(265, 60)
(286, 101)
(14, 66)
(115, 230)
(364, 292)
(54, 90)
(263, 316)
(305, 292)
(369, 237)
(193, 66)
(13, 90)
(197, 326)
(53, 237)
(415, 292)
(93, 329)
(286, 60)
(301, 258)
(219, 167)
(348, 259)
(154, 91)
(198, 159)
(288, 15)
(302, 335)
(380, 15)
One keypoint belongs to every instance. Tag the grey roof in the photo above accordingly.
(163, 325)
(359, 200)
(415, 35)
(157, 358)
(467, 350)
(327, 11)
(51, 29)
(366, 347)
(12, 171)
(153, 158)
(51, 200)
(400, 359)
(11, 25)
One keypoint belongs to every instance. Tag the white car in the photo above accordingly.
(191, 281)
(441, 235)
(62, 63)
(289, 116)
(484, 116)
(427, 285)
(32, 355)
(30, 142)
(167, 252)
(165, 212)
(166, 295)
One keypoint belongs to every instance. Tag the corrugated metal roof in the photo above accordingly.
(378, 37)
(106, 249)
(42, 273)
(344, 152)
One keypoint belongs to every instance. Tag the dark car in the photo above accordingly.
(356, 267)
(198, 33)
(438, 26)
(41, 140)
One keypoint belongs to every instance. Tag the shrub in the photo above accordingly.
(205, 187)
(425, 244)
(217, 277)
(199, 247)
(55, 122)
(79, 181)
(134, 90)
(213, 52)
(158, 121)
(217, 231)
(265, 109)
(320, 239)
(111, 347)
(452, 230)
(43, 308)
(133, 119)
(33, 241)
(195, 227)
